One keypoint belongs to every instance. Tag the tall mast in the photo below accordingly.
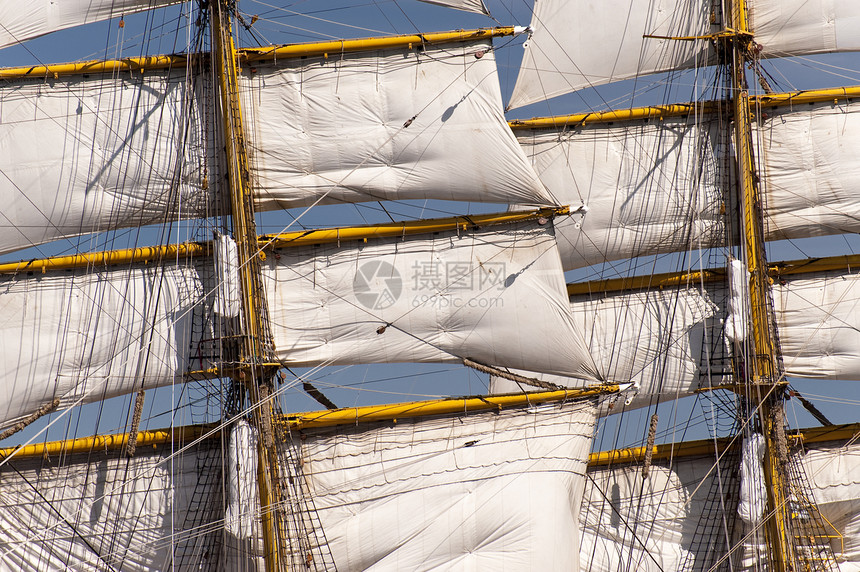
(255, 365)
(764, 378)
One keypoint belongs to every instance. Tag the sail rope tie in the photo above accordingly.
(43, 410)
(135, 423)
(511, 376)
(649, 446)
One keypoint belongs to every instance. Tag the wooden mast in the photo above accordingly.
(763, 373)
(255, 365)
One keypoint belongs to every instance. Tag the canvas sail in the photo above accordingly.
(664, 522)
(482, 491)
(25, 20)
(494, 295)
(79, 337)
(624, 39)
(653, 187)
(92, 153)
(101, 510)
(402, 123)
(670, 342)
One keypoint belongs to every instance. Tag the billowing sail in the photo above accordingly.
(25, 20)
(651, 187)
(669, 342)
(76, 337)
(84, 154)
(665, 342)
(795, 27)
(404, 123)
(646, 187)
(494, 295)
(488, 491)
(99, 510)
(576, 46)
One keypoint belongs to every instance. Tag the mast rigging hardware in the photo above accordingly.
(247, 55)
(143, 255)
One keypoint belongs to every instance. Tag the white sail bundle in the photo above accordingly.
(87, 337)
(396, 124)
(22, 21)
(83, 154)
(652, 187)
(105, 511)
(494, 295)
(484, 491)
(575, 45)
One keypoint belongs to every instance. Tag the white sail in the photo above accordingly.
(648, 187)
(485, 491)
(494, 295)
(632, 523)
(22, 21)
(662, 340)
(819, 325)
(656, 186)
(794, 27)
(811, 170)
(673, 515)
(403, 123)
(104, 511)
(576, 46)
(85, 154)
(88, 337)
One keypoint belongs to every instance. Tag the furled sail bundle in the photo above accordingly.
(483, 491)
(495, 295)
(629, 38)
(399, 123)
(652, 186)
(25, 20)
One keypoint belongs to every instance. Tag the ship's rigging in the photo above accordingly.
(659, 336)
